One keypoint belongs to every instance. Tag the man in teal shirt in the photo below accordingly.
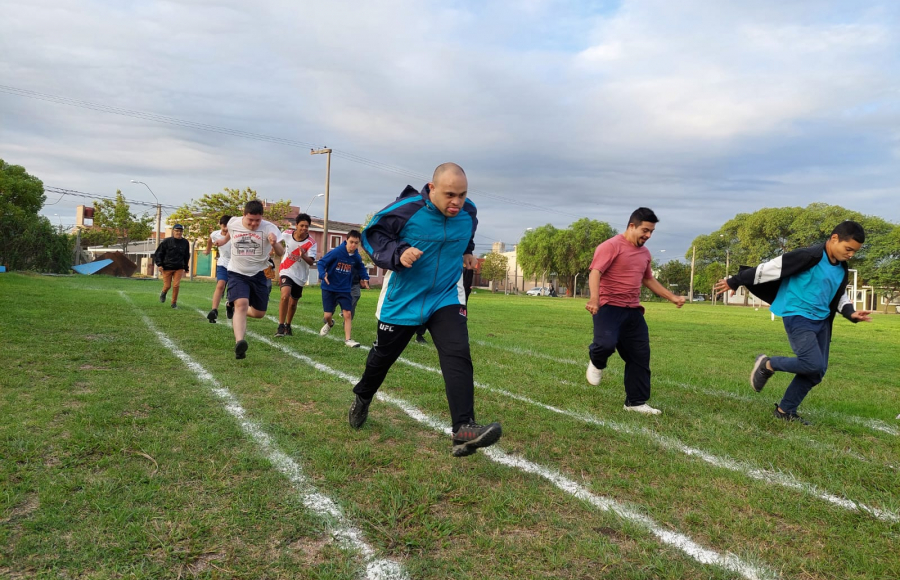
(806, 287)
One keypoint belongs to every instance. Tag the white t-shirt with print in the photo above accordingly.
(291, 264)
(250, 248)
(224, 249)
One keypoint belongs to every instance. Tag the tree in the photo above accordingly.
(567, 252)
(116, 217)
(201, 217)
(493, 268)
(885, 259)
(676, 276)
(28, 241)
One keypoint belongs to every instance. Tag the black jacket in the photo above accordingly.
(765, 280)
(173, 254)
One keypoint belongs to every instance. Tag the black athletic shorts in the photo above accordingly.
(296, 289)
(254, 288)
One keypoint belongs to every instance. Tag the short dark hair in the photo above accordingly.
(847, 230)
(253, 207)
(223, 221)
(642, 214)
(354, 234)
(303, 217)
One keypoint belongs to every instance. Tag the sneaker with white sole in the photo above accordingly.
(644, 409)
(593, 374)
(281, 331)
(351, 343)
(326, 329)
(760, 373)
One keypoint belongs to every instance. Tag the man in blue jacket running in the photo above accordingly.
(426, 239)
(336, 270)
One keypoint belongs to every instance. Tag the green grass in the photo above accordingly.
(116, 460)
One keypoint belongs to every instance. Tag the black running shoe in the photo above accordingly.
(229, 310)
(280, 332)
(287, 330)
(469, 438)
(420, 339)
(789, 416)
(213, 315)
(162, 297)
(174, 305)
(359, 412)
(760, 374)
(240, 349)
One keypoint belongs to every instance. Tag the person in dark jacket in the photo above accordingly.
(336, 270)
(806, 287)
(426, 239)
(173, 255)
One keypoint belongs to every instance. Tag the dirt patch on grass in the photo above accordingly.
(311, 551)
(141, 412)
(203, 563)
(23, 509)
(90, 367)
(81, 388)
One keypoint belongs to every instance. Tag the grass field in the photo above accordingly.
(133, 445)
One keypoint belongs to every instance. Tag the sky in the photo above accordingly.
(557, 110)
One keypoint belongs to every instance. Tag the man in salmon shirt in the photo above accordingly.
(620, 267)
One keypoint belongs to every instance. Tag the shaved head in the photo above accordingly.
(447, 169)
(448, 189)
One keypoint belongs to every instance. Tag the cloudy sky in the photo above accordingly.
(557, 110)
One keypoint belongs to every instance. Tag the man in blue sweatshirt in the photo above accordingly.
(336, 270)
(426, 239)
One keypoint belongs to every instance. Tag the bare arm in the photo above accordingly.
(593, 304)
(663, 292)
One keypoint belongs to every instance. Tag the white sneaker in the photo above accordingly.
(644, 409)
(351, 343)
(326, 329)
(593, 374)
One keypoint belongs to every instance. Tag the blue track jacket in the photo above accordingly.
(339, 264)
(410, 296)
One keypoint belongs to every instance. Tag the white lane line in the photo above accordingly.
(874, 424)
(675, 539)
(346, 534)
(672, 444)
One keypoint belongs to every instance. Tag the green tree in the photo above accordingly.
(28, 241)
(676, 276)
(885, 261)
(116, 217)
(567, 252)
(200, 217)
(493, 268)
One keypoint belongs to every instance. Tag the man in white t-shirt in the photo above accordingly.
(299, 255)
(252, 240)
(221, 266)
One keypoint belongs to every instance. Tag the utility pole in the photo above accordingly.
(327, 153)
(693, 256)
(158, 220)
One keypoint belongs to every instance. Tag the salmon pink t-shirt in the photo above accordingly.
(623, 268)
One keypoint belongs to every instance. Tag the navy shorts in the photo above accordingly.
(254, 288)
(331, 299)
(221, 273)
(296, 289)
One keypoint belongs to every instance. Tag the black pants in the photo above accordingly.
(625, 330)
(451, 339)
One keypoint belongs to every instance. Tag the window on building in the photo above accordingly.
(335, 242)
(373, 271)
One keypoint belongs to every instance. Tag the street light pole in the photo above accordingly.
(312, 200)
(158, 220)
(327, 153)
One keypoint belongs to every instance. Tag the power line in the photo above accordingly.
(353, 158)
(92, 196)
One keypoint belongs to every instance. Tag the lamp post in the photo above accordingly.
(158, 220)
(327, 153)
(312, 200)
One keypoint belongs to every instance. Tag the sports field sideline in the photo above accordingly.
(134, 445)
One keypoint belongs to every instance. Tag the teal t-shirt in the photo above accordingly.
(809, 294)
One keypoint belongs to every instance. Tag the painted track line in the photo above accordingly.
(347, 535)
(676, 540)
(772, 477)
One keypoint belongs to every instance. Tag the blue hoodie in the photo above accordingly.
(409, 296)
(338, 265)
